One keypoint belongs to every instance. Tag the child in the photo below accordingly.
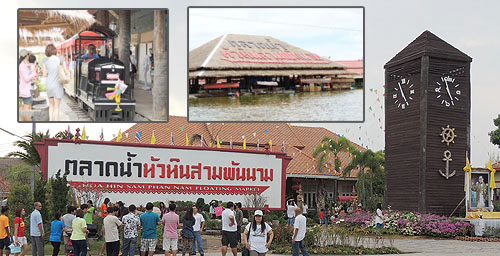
(56, 230)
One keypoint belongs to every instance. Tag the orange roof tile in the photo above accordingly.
(300, 141)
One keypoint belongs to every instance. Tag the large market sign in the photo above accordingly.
(138, 173)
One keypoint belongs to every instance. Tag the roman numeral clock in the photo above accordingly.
(427, 108)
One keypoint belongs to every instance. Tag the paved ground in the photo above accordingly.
(410, 246)
(71, 112)
(419, 247)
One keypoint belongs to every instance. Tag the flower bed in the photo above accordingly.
(341, 250)
(410, 223)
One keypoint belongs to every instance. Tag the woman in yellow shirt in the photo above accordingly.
(79, 235)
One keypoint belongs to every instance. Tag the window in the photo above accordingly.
(346, 190)
(310, 199)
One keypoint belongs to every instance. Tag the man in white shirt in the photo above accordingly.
(304, 212)
(290, 212)
(229, 230)
(111, 235)
(198, 226)
(299, 234)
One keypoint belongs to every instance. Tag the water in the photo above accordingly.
(294, 107)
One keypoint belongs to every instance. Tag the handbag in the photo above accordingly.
(245, 252)
(15, 247)
(62, 75)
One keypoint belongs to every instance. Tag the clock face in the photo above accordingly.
(447, 89)
(403, 93)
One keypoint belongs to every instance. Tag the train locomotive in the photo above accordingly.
(95, 80)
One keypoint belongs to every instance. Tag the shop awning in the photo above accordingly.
(266, 83)
(221, 86)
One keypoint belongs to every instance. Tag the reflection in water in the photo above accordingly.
(308, 106)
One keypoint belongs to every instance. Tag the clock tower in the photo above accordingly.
(427, 109)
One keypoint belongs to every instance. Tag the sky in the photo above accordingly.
(390, 25)
(328, 32)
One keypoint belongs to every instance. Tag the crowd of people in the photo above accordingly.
(121, 225)
(30, 72)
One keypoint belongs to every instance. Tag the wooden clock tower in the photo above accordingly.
(427, 110)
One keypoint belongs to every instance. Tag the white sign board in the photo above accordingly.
(141, 173)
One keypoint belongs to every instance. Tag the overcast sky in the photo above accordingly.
(328, 32)
(470, 26)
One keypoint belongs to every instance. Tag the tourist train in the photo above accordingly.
(93, 80)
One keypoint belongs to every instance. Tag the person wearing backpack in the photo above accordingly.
(256, 233)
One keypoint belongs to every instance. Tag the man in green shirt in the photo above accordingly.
(90, 212)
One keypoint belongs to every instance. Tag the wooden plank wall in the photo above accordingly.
(444, 195)
(402, 140)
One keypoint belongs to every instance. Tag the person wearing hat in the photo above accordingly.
(256, 233)
(26, 77)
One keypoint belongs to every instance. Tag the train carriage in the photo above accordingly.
(93, 79)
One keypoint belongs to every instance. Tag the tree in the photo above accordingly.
(40, 195)
(323, 152)
(255, 201)
(160, 92)
(369, 164)
(87, 192)
(28, 152)
(495, 134)
(20, 195)
(58, 193)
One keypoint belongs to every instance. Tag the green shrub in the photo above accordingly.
(213, 224)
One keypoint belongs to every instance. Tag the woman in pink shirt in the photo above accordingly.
(25, 79)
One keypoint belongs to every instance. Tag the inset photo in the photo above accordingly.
(276, 64)
(98, 65)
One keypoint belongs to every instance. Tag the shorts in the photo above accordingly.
(28, 100)
(22, 240)
(229, 238)
(256, 253)
(148, 244)
(170, 244)
(5, 242)
(379, 226)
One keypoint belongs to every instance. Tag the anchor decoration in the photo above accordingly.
(448, 136)
(447, 159)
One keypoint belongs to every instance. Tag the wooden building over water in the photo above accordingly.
(261, 64)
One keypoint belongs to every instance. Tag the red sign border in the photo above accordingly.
(43, 150)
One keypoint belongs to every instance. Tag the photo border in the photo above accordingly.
(94, 122)
(287, 7)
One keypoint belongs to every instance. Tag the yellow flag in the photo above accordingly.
(271, 144)
(84, 134)
(153, 138)
(245, 143)
(218, 142)
(187, 140)
(119, 137)
(493, 183)
(467, 169)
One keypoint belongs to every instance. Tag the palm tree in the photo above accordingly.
(328, 147)
(366, 161)
(323, 152)
(28, 153)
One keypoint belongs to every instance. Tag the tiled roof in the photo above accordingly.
(352, 65)
(300, 141)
